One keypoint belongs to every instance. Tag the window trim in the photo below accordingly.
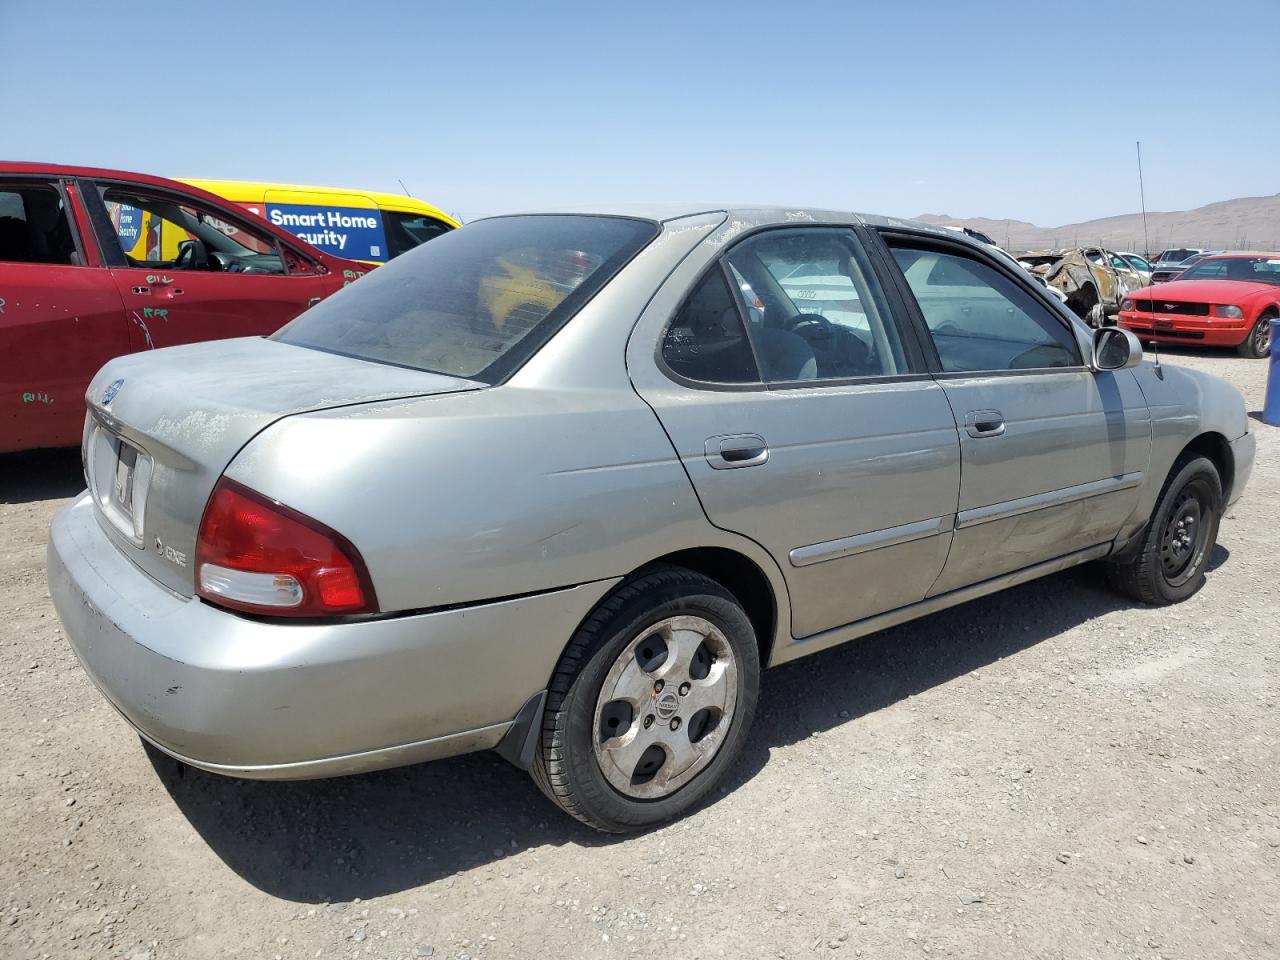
(919, 240)
(59, 186)
(917, 360)
(94, 191)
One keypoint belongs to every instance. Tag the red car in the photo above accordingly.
(98, 263)
(1227, 300)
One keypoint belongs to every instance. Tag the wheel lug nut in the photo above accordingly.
(684, 689)
(675, 723)
(648, 721)
(658, 685)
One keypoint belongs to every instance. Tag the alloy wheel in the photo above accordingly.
(665, 707)
(1262, 337)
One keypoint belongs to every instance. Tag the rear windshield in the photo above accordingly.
(476, 302)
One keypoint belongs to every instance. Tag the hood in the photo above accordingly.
(1207, 291)
(188, 410)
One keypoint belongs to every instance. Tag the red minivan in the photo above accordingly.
(98, 263)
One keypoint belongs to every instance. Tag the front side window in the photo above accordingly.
(474, 303)
(408, 230)
(980, 319)
(815, 310)
(164, 233)
(34, 227)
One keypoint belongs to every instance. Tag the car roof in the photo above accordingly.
(242, 191)
(70, 170)
(748, 215)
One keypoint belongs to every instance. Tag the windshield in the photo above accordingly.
(477, 302)
(1250, 269)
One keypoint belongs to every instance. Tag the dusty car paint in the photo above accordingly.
(494, 518)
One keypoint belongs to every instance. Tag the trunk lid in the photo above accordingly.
(163, 426)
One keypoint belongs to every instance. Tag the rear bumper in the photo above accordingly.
(1243, 453)
(1175, 328)
(293, 701)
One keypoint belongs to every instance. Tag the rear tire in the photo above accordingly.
(1170, 565)
(1258, 342)
(617, 750)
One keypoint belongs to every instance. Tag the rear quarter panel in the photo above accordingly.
(561, 476)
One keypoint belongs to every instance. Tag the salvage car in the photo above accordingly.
(1093, 280)
(395, 530)
(1138, 264)
(1227, 300)
(1171, 271)
(98, 263)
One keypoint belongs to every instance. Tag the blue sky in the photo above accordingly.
(967, 108)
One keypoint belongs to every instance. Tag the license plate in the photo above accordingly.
(1162, 324)
(122, 487)
(119, 476)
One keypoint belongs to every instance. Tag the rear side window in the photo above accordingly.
(478, 302)
(707, 340)
(980, 319)
(34, 227)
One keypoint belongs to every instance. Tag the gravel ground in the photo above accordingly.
(1050, 772)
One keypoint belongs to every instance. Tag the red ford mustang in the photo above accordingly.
(97, 263)
(1226, 300)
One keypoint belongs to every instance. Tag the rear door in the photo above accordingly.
(61, 317)
(198, 272)
(805, 418)
(1053, 454)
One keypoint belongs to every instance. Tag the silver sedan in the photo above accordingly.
(561, 485)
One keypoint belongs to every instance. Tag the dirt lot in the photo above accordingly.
(1052, 772)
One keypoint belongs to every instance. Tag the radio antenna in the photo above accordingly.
(403, 187)
(1142, 194)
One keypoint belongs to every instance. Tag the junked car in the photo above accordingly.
(98, 263)
(398, 529)
(1093, 280)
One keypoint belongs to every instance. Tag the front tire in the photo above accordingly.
(650, 703)
(1170, 565)
(1258, 342)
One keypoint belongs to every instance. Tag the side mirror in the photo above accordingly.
(1115, 348)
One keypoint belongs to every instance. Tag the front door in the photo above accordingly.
(806, 421)
(194, 273)
(60, 320)
(1052, 453)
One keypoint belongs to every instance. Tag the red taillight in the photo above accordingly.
(257, 555)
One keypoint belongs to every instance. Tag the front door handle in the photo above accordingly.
(984, 423)
(739, 450)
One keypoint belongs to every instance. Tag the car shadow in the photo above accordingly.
(376, 834)
(36, 475)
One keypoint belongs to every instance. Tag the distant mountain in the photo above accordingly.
(1244, 223)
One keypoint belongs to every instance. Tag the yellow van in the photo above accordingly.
(356, 224)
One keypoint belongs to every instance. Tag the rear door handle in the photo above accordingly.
(739, 450)
(984, 423)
